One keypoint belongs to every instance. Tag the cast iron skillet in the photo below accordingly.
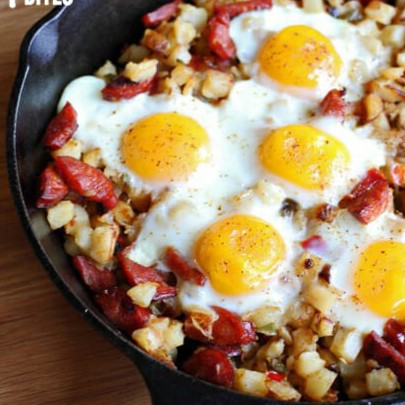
(69, 42)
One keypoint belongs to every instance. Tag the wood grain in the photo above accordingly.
(48, 353)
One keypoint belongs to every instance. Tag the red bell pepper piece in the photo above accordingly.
(275, 376)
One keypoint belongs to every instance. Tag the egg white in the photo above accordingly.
(345, 239)
(102, 124)
(250, 30)
(178, 220)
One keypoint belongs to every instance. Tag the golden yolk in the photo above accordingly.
(379, 278)
(300, 56)
(239, 253)
(304, 155)
(165, 146)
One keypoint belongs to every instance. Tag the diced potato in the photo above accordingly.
(184, 32)
(148, 339)
(282, 390)
(304, 340)
(156, 42)
(82, 238)
(160, 337)
(347, 344)
(368, 27)
(217, 84)
(320, 297)
(139, 72)
(313, 6)
(392, 73)
(285, 334)
(386, 91)
(393, 35)
(318, 384)
(182, 73)
(374, 45)
(101, 220)
(123, 214)
(373, 106)
(266, 318)
(196, 16)
(72, 148)
(269, 193)
(169, 86)
(401, 117)
(308, 267)
(357, 389)
(92, 157)
(322, 325)
(191, 86)
(61, 214)
(142, 294)
(358, 70)
(381, 122)
(381, 382)
(300, 314)
(134, 53)
(107, 70)
(271, 350)
(308, 363)
(173, 335)
(250, 382)
(354, 371)
(380, 12)
(103, 240)
(401, 59)
(179, 53)
(80, 219)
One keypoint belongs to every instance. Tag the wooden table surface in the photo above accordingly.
(48, 353)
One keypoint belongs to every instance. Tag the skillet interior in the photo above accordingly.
(69, 42)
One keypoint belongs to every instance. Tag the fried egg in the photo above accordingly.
(304, 54)
(150, 142)
(315, 159)
(368, 268)
(244, 247)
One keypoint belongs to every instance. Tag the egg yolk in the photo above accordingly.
(300, 56)
(239, 254)
(304, 155)
(379, 278)
(165, 146)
